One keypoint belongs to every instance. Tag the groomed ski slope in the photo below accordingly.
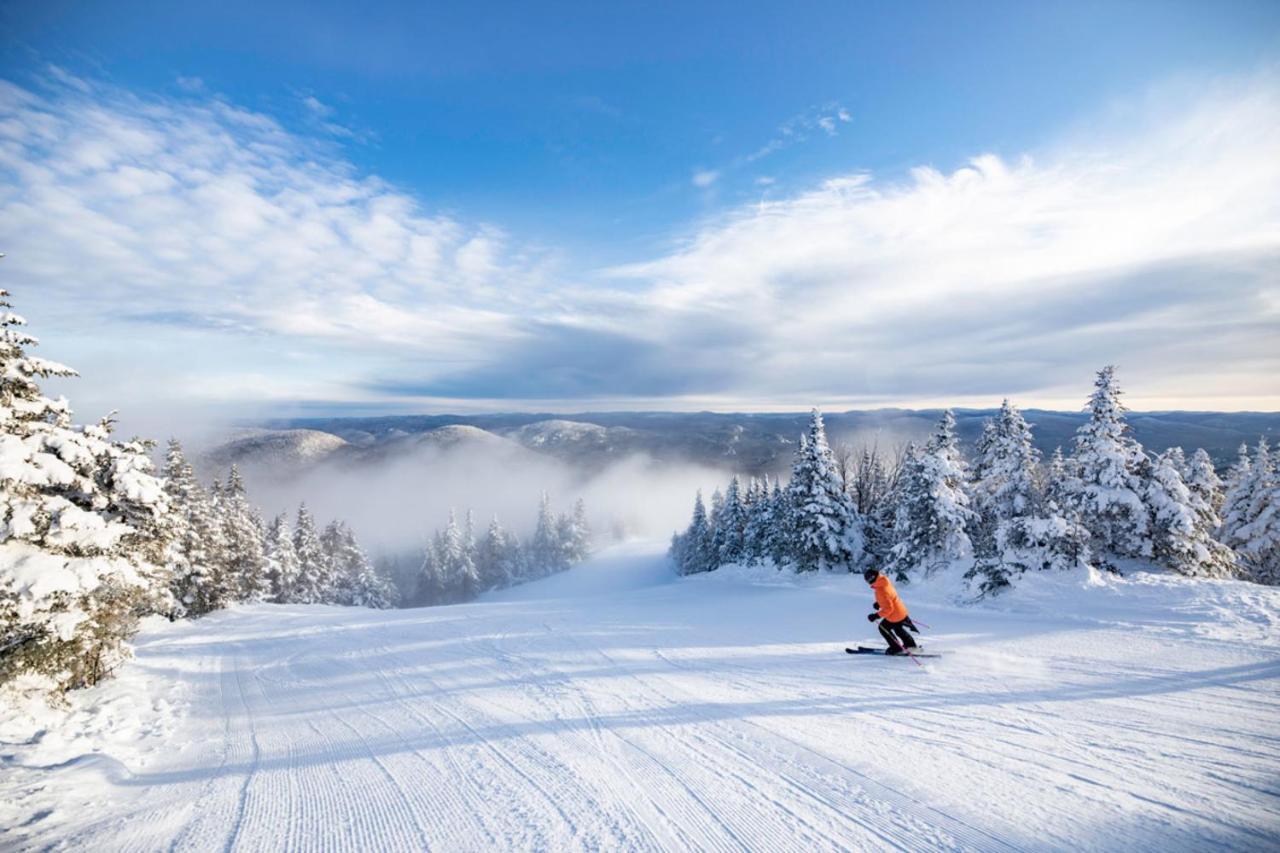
(617, 708)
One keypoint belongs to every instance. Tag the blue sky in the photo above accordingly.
(329, 206)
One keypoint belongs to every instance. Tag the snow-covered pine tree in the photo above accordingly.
(333, 542)
(932, 513)
(196, 556)
(493, 563)
(314, 577)
(780, 544)
(575, 534)
(73, 570)
(356, 583)
(1181, 540)
(714, 510)
(1259, 534)
(1235, 498)
(457, 563)
(824, 521)
(282, 560)
(878, 492)
(246, 566)
(1206, 486)
(1109, 465)
(694, 550)
(731, 529)
(759, 521)
(544, 549)
(1178, 459)
(431, 588)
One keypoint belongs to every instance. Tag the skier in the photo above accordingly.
(892, 614)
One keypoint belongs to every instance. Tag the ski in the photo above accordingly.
(864, 650)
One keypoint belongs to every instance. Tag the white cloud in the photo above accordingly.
(799, 128)
(172, 248)
(1002, 276)
(704, 178)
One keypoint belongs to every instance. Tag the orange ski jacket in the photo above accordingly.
(887, 601)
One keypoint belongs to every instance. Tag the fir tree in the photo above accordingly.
(1109, 465)
(493, 558)
(780, 547)
(1205, 485)
(731, 529)
(457, 563)
(1181, 541)
(196, 583)
(759, 522)
(246, 561)
(824, 521)
(932, 512)
(1258, 534)
(431, 580)
(544, 549)
(694, 551)
(283, 568)
(575, 535)
(1019, 528)
(1236, 497)
(314, 577)
(80, 516)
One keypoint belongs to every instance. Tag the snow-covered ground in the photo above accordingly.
(615, 707)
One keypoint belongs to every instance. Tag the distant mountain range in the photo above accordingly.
(747, 443)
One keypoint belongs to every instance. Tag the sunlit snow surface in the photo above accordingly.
(615, 707)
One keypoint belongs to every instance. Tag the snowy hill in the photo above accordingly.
(280, 450)
(619, 707)
(759, 442)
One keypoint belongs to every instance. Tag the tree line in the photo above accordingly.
(457, 564)
(1003, 510)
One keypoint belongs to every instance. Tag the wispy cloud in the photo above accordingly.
(703, 178)
(1000, 276)
(116, 207)
(825, 119)
(222, 246)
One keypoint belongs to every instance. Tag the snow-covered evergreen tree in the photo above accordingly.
(1019, 527)
(496, 562)
(283, 568)
(314, 579)
(197, 580)
(1257, 529)
(824, 522)
(780, 545)
(1177, 457)
(457, 562)
(575, 535)
(932, 515)
(80, 516)
(1237, 494)
(760, 521)
(246, 566)
(1109, 466)
(356, 583)
(431, 578)
(694, 550)
(1206, 486)
(1181, 540)
(731, 529)
(1004, 484)
(545, 555)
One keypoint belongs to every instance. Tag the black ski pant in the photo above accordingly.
(896, 634)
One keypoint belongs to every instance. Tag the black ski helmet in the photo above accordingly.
(870, 575)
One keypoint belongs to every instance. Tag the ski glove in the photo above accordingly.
(871, 617)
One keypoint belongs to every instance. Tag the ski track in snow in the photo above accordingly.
(614, 708)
